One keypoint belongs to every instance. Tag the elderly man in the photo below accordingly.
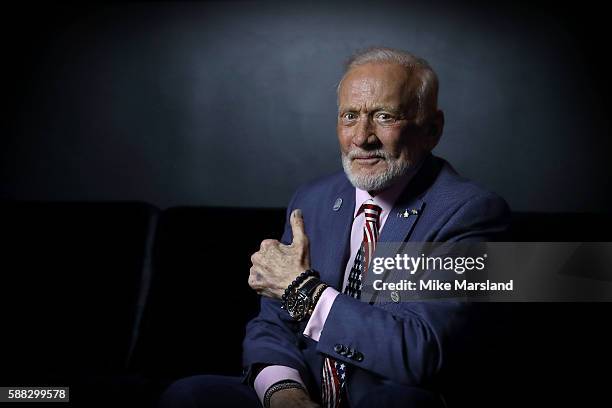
(314, 342)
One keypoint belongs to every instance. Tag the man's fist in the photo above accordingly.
(276, 265)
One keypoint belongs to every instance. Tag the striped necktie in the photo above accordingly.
(334, 372)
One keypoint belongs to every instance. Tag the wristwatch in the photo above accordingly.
(300, 300)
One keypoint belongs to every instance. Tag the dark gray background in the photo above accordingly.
(233, 103)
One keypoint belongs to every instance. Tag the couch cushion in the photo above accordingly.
(74, 276)
(200, 300)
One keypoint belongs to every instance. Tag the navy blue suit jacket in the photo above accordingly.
(406, 343)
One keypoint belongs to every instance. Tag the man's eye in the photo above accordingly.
(350, 116)
(385, 117)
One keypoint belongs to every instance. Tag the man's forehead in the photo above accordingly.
(384, 82)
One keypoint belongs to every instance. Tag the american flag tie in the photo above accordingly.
(334, 372)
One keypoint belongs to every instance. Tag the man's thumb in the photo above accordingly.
(297, 226)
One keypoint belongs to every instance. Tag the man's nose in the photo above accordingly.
(364, 132)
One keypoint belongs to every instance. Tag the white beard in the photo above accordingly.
(375, 182)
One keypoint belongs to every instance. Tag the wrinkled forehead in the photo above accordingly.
(376, 84)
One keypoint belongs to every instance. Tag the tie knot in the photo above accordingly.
(371, 211)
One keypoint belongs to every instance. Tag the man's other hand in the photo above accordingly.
(290, 398)
(276, 265)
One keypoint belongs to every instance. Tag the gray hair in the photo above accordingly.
(426, 95)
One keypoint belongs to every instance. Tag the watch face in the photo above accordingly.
(297, 305)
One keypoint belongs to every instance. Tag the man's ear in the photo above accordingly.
(434, 131)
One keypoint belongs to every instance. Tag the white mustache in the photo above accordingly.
(354, 154)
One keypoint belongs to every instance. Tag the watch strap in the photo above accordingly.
(309, 287)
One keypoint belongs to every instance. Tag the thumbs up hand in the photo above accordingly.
(276, 265)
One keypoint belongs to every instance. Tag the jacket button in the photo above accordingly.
(358, 356)
(350, 353)
(339, 348)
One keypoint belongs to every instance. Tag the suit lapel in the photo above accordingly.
(339, 234)
(404, 215)
(401, 220)
(410, 204)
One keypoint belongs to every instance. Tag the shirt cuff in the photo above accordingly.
(273, 374)
(315, 324)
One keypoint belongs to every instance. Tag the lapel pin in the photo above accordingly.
(407, 213)
(403, 214)
(337, 204)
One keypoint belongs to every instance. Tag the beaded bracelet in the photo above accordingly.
(297, 282)
(316, 296)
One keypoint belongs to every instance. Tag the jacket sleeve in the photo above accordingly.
(271, 337)
(409, 342)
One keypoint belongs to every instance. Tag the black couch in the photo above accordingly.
(119, 299)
